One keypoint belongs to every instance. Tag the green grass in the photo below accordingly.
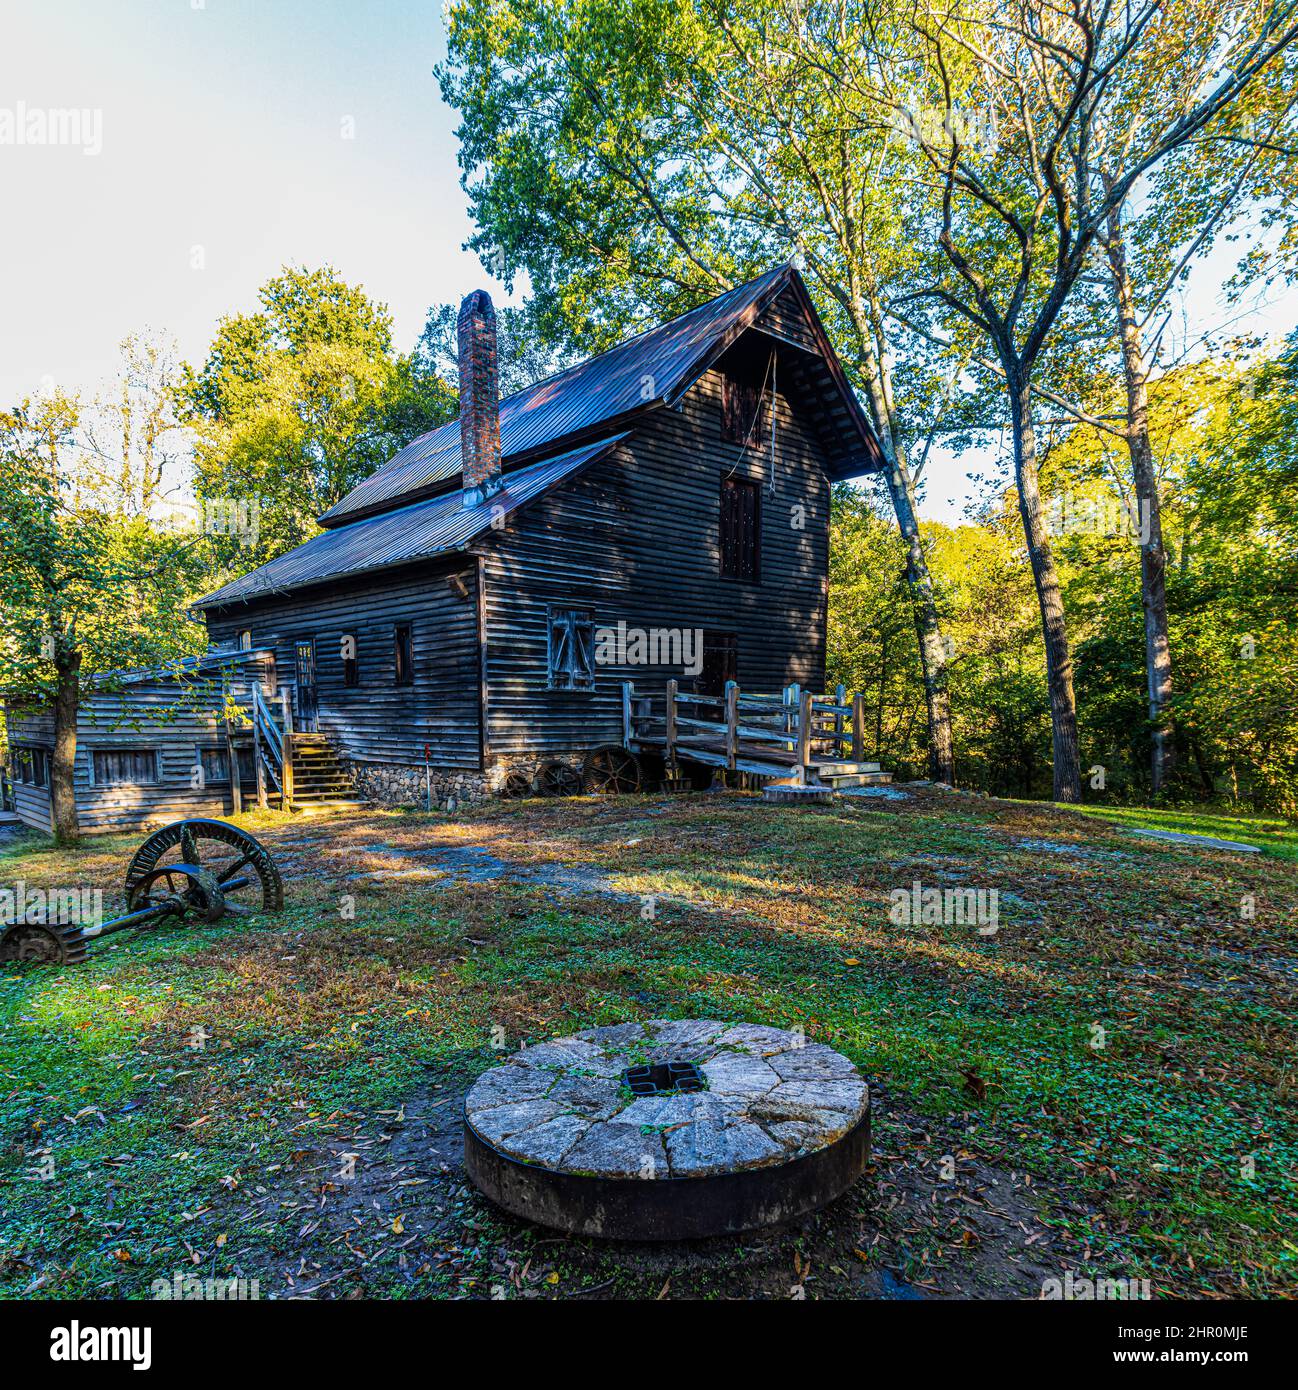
(1269, 833)
(1128, 1030)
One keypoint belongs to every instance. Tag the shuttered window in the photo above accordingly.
(572, 649)
(125, 766)
(740, 530)
(351, 672)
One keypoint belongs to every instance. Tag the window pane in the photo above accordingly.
(125, 766)
(404, 655)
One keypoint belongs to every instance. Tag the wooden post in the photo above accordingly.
(628, 725)
(804, 737)
(256, 746)
(232, 762)
(840, 699)
(858, 727)
(670, 736)
(732, 723)
(792, 695)
(286, 772)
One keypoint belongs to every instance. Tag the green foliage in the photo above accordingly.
(999, 710)
(300, 401)
(523, 353)
(81, 579)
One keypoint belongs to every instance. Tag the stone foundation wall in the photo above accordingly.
(391, 784)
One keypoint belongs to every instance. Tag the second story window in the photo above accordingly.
(404, 654)
(741, 530)
(745, 418)
(245, 640)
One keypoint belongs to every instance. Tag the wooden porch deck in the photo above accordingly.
(795, 736)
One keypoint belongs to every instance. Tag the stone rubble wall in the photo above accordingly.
(392, 784)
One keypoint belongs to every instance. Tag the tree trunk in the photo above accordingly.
(932, 649)
(67, 700)
(928, 628)
(1059, 661)
(1148, 517)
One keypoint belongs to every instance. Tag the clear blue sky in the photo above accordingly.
(223, 129)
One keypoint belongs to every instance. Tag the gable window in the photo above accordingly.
(403, 653)
(31, 766)
(572, 649)
(741, 529)
(245, 640)
(744, 420)
(125, 767)
(351, 673)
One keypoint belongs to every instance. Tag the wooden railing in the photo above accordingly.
(796, 727)
(272, 747)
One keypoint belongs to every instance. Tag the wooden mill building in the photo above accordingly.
(657, 513)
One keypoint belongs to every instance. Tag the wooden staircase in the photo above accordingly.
(294, 771)
(850, 774)
(320, 781)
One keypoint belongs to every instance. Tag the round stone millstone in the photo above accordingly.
(668, 1130)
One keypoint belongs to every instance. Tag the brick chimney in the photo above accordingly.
(479, 398)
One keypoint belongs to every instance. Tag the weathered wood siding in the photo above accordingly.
(33, 727)
(173, 717)
(378, 720)
(785, 318)
(636, 538)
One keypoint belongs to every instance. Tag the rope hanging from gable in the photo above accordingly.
(770, 376)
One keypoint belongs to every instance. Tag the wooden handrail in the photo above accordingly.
(807, 725)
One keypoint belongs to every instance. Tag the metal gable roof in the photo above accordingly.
(418, 531)
(656, 366)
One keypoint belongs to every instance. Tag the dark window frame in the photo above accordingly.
(720, 662)
(97, 779)
(739, 541)
(221, 778)
(351, 664)
(403, 653)
(743, 420)
(30, 765)
(245, 639)
(570, 649)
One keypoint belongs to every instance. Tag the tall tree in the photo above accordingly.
(1087, 99)
(298, 402)
(1242, 160)
(640, 156)
(86, 587)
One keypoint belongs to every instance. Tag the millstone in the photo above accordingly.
(668, 1130)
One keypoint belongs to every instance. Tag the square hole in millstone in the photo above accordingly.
(663, 1078)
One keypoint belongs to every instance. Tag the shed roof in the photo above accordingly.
(417, 531)
(656, 367)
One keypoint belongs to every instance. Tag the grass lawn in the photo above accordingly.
(1105, 1084)
(1271, 834)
